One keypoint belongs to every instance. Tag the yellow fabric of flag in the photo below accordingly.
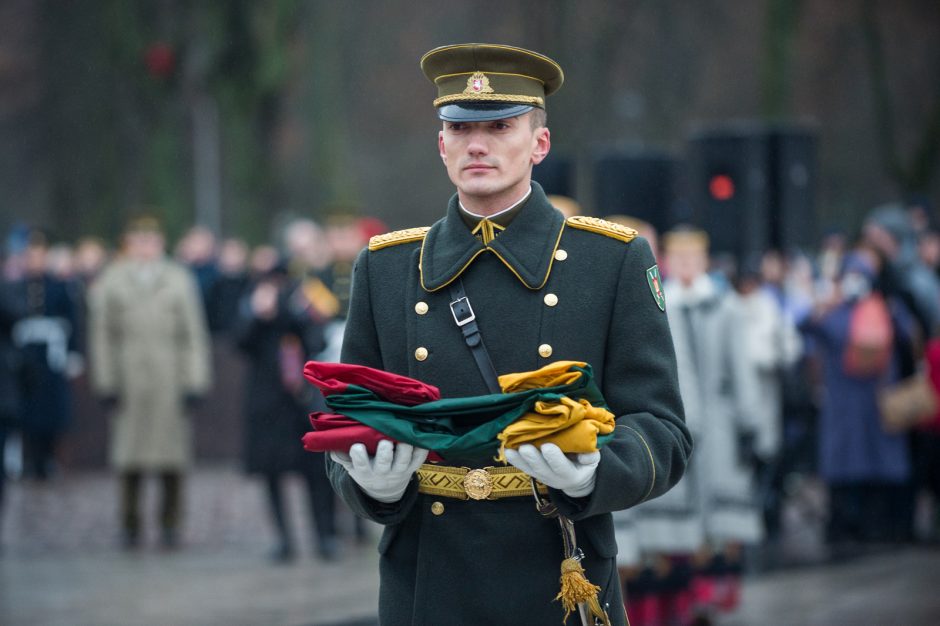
(572, 425)
(552, 375)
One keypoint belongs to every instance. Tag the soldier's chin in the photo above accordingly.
(479, 188)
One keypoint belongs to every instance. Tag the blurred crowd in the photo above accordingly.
(796, 368)
(785, 362)
(140, 329)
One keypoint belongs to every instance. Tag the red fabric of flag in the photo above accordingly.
(333, 378)
(332, 432)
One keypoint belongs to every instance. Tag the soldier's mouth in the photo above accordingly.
(478, 167)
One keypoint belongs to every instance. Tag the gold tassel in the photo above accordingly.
(576, 588)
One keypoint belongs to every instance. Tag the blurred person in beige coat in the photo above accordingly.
(150, 365)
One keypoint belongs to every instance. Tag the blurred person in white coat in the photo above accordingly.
(771, 345)
(694, 534)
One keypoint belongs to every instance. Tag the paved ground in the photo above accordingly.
(894, 588)
(60, 565)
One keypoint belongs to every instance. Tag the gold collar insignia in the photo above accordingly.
(487, 230)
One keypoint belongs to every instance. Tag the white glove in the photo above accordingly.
(385, 476)
(552, 467)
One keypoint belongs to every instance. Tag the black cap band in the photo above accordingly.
(481, 111)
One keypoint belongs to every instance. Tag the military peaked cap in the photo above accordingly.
(478, 82)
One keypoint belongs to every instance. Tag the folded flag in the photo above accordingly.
(334, 378)
(552, 375)
(573, 426)
(559, 396)
(333, 432)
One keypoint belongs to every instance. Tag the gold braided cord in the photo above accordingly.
(490, 97)
(603, 227)
(397, 237)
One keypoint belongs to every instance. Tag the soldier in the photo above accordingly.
(531, 287)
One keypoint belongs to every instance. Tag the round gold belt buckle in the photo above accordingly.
(478, 484)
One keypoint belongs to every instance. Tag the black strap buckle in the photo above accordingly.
(462, 311)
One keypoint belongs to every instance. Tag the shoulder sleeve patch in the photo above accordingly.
(398, 236)
(603, 227)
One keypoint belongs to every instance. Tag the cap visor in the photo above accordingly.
(481, 112)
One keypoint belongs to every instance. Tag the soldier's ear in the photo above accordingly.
(440, 145)
(543, 144)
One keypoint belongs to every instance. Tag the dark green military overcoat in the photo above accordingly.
(497, 562)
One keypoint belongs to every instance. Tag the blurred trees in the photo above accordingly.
(167, 106)
(177, 107)
(916, 175)
(776, 70)
(231, 113)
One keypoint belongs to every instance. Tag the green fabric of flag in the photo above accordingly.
(459, 428)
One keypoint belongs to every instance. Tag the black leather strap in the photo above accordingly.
(466, 321)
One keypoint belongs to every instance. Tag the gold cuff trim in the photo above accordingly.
(463, 483)
(652, 462)
(490, 97)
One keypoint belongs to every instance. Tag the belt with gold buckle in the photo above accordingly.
(486, 483)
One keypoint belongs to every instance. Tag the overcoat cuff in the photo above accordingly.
(384, 513)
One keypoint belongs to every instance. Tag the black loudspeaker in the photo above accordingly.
(752, 187)
(556, 175)
(794, 179)
(640, 184)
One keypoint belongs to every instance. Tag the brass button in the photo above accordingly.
(437, 508)
(421, 308)
(560, 255)
(421, 353)
(550, 299)
(545, 350)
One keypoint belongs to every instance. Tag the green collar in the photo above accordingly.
(527, 245)
(500, 221)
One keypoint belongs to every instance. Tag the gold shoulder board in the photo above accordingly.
(398, 236)
(597, 225)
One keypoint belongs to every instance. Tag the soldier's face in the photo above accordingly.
(490, 163)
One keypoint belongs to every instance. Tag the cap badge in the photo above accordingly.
(478, 83)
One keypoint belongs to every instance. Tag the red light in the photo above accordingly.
(721, 187)
(160, 59)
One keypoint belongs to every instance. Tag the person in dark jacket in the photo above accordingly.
(46, 339)
(865, 468)
(540, 289)
(229, 286)
(277, 333)
(11, 310)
